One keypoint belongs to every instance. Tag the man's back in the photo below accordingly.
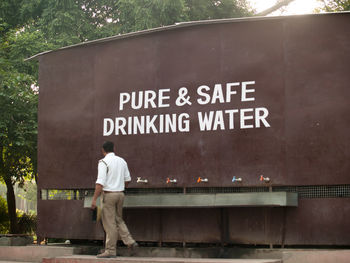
(113, 172)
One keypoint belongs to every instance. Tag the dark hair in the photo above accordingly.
(108, 146)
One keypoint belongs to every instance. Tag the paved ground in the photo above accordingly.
(57, 254)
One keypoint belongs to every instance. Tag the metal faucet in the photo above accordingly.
(168, 180)
(264, 179)
(139, 180)
(204, 180)
(234, 179)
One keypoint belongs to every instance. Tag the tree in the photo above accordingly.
(278, 5)
(18, 128)
(135, 15)
(18, 121)
(18, 102)
(69, 22)
(335, 5)
(213, 9)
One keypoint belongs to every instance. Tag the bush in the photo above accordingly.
(4, 217)
(26, 223)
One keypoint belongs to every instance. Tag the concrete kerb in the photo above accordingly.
(316, 256)
(294, 255)
(15, 240)
(34, 253)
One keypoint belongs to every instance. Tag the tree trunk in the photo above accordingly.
(275, 7)
(11, 205)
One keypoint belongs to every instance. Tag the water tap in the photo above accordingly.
(204, 180)
(264, 179)
(143, 181)
(234, 179)
(168, 181)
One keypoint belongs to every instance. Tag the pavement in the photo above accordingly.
(74, 254)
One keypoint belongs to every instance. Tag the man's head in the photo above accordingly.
(108, 147)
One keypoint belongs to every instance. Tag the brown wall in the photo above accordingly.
(300, 66)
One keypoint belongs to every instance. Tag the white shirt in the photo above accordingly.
(113, 172)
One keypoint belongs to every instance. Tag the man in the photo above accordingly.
(113, 176)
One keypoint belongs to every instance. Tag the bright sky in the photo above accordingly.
(297, 7)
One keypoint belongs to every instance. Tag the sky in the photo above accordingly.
(297, 7)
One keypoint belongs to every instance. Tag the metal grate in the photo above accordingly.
(311, 191)
(319, 191)
(55, 194)
(170, 190)
(213, 190)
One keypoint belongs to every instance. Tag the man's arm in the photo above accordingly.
(101, 179)
(98, 191)
(127, 178)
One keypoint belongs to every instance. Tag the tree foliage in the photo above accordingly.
(138, 15)
(18, 128)
(135, 15)
(18, 100)
(335, 5)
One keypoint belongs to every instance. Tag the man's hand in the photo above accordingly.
(93, 204)
(98, 191)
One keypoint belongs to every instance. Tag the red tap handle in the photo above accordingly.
(261, 178)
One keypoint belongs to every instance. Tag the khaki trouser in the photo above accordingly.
(113, 223)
